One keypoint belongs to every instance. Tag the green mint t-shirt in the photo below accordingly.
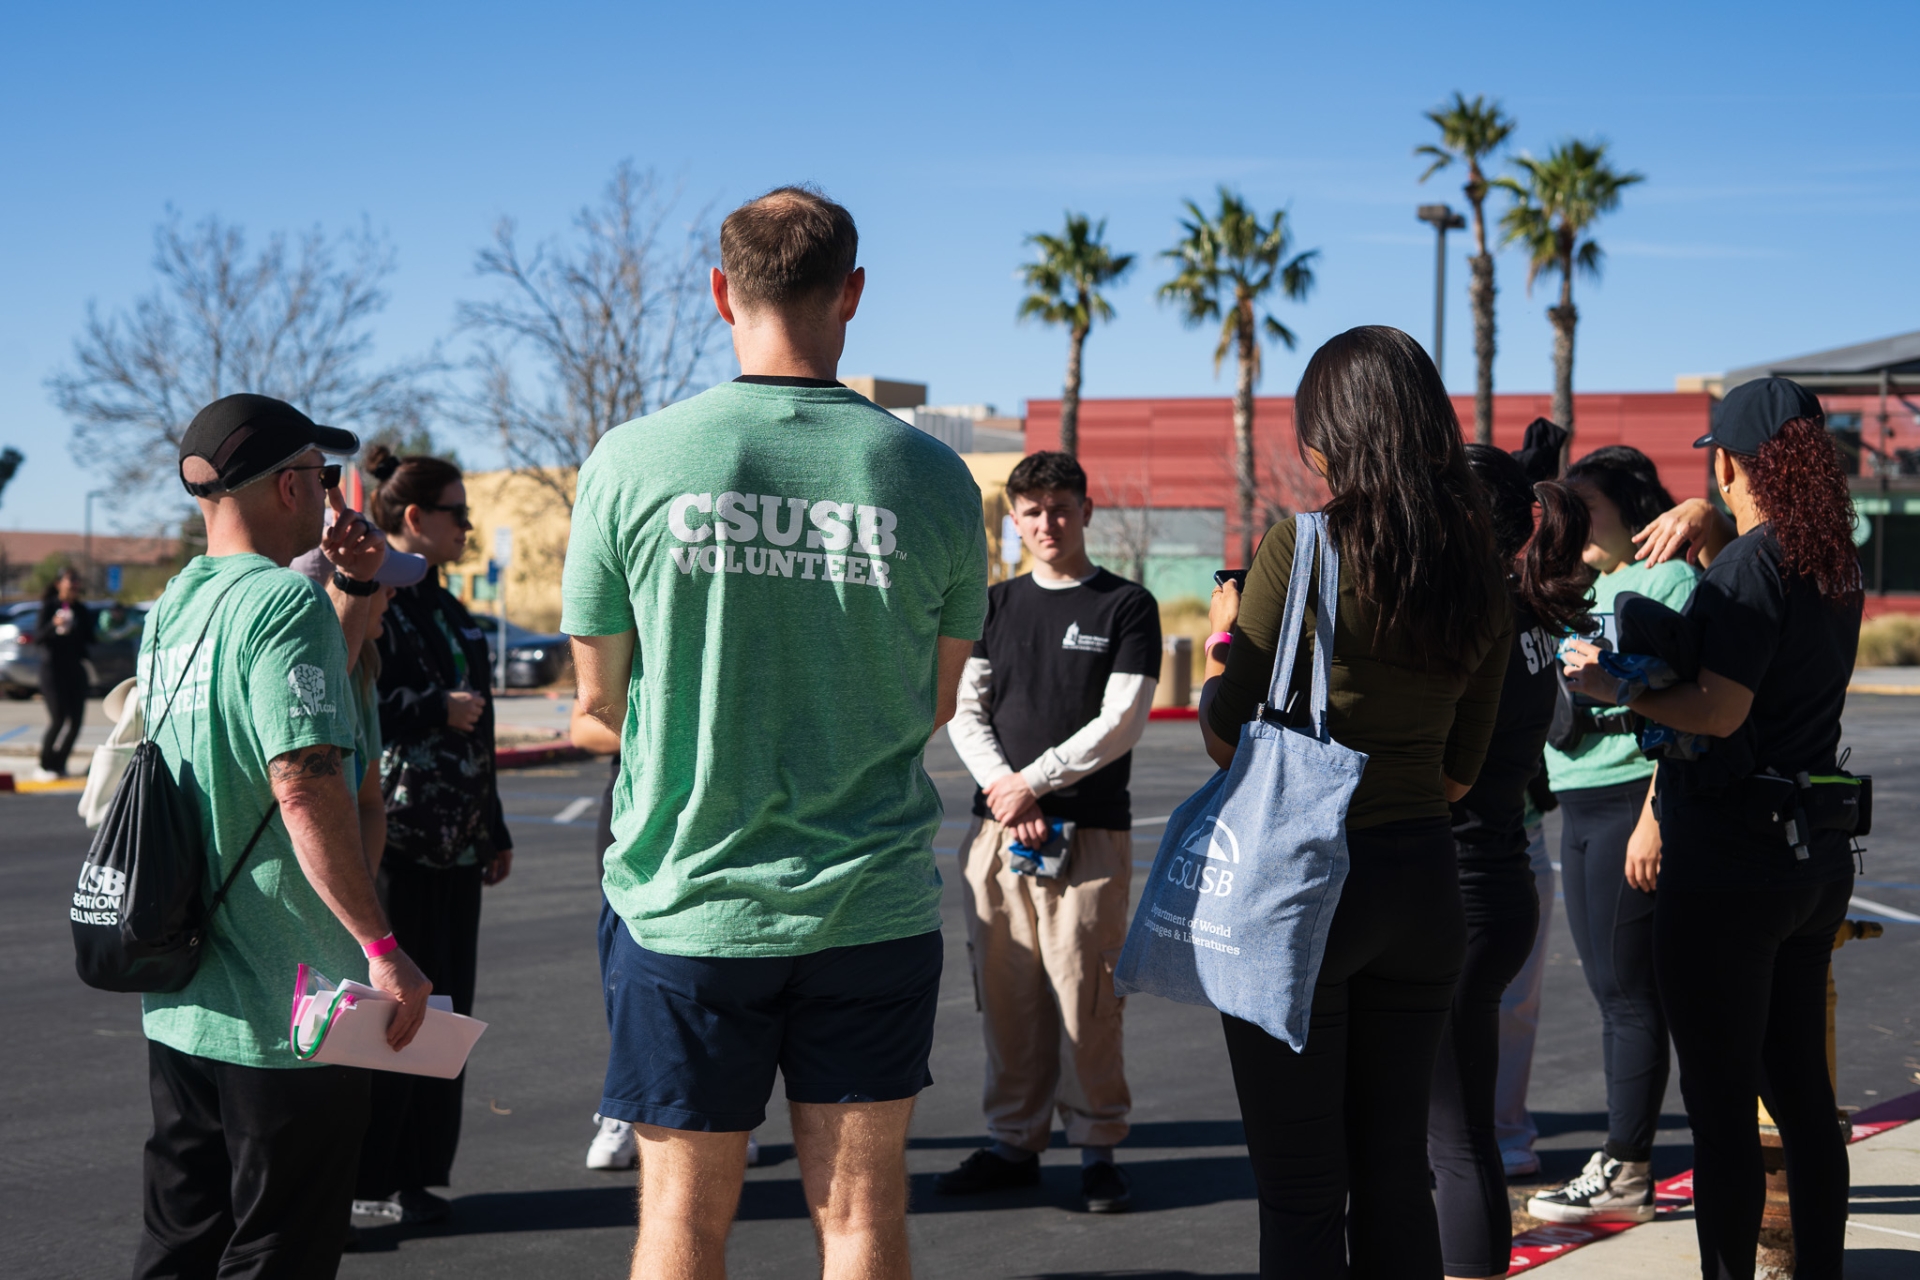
(1604, 760)
(789, 557)
(271, 678)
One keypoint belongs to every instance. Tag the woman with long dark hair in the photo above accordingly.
(1597, 770)
(1548, 586)
(63, 632)
(1749, 841)
(446, 835)
(1337, 1133)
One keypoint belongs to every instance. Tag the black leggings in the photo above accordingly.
(1612, 927)
(1470, 1181)
(1744, 975)
(415, 1126)
(1337, 1134)
(64, 690)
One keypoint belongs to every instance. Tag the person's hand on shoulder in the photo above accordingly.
(1684, 530)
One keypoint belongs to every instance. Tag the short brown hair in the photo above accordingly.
(792, 245)
(1038, 472)
(403, 482)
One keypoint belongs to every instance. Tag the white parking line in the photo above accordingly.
(1882, 909)
(575, 810)
(1892, 1231)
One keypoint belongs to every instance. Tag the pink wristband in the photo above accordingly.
(1218, 637)
(379, 948)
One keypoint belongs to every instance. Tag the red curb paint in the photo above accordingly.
(1174, 713)
(523, 757)
(1545, 1243)
(6, 782)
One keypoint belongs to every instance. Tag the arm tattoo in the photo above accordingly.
(308, 762)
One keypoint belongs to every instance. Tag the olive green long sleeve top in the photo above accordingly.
(1416, 726)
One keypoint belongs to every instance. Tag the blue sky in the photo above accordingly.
(1779, 143)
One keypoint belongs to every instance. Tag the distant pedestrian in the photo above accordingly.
(1054, 699)
(64, 631)
(1337, 1131)
(1549, 589)
(249, 1169)
(447, 838)
(772, 589)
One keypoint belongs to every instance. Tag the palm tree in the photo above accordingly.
(1066, 284)
(1470, 132)
(1555, 201)
(1227, 264)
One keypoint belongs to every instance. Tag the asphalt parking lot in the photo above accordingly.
(75, 1111)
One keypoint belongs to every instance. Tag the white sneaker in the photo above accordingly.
(753, 1151)
(1606, 1191)
(47, 775)
(613, 1147)
(1520, 1163)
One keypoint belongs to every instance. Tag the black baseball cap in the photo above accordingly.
(243, 437)
(1754, 412)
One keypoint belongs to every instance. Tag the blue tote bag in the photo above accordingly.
(1236, 910)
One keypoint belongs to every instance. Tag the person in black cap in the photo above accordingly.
(1752, 839)
(249, 1169)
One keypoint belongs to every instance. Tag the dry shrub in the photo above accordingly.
(1890, 641)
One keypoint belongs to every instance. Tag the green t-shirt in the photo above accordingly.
(271, 678)
(1604, 760)
(789, 555)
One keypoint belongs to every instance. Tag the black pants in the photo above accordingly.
(249, 1170)
(1470, 1181)
(1612, 927)
(1337, 1133)
(414, 1129)
(64, 690)
(1744, 975)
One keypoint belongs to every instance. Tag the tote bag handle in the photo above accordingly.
(1310, 537)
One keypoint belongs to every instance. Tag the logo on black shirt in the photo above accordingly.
(1079, 642)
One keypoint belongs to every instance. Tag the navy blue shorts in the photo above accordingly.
(696, 1039)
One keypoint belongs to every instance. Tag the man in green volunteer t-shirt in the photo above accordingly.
(253, 1153)
(773, 588)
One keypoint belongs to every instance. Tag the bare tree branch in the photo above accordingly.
(293, 321)
(615, 327)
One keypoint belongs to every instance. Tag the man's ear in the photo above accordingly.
(1086, 511)
(850, 293)
(717, 281)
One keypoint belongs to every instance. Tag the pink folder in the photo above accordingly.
(346, 1024)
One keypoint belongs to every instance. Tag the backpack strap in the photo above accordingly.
(187, 669)
(245, 853)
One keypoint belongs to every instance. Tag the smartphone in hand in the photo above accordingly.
(1238, 577)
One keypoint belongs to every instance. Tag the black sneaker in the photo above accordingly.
(1106, 1188)
(421, 1205)
(985, 1171)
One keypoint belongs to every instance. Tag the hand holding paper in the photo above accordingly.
(396, 975)
(350, 1025)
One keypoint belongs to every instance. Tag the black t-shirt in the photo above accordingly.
(1795, 651)
(1489, 822)
(1051, 652)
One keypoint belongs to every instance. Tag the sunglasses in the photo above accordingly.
(329, 473)
(458, 510)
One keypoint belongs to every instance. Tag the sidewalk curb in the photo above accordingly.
(525, 757)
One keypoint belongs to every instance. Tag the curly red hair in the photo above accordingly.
(1796, 482)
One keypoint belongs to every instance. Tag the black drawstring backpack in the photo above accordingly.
(138, 918)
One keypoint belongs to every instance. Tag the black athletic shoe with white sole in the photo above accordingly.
(1606, 1191)
(1106, 1187)
(985, 1171)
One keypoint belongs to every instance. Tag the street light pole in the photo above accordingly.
(1443, 219)
(88, 553)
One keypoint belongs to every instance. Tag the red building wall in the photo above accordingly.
(1179, 452)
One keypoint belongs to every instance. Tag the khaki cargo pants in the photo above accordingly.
(1043, 953)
